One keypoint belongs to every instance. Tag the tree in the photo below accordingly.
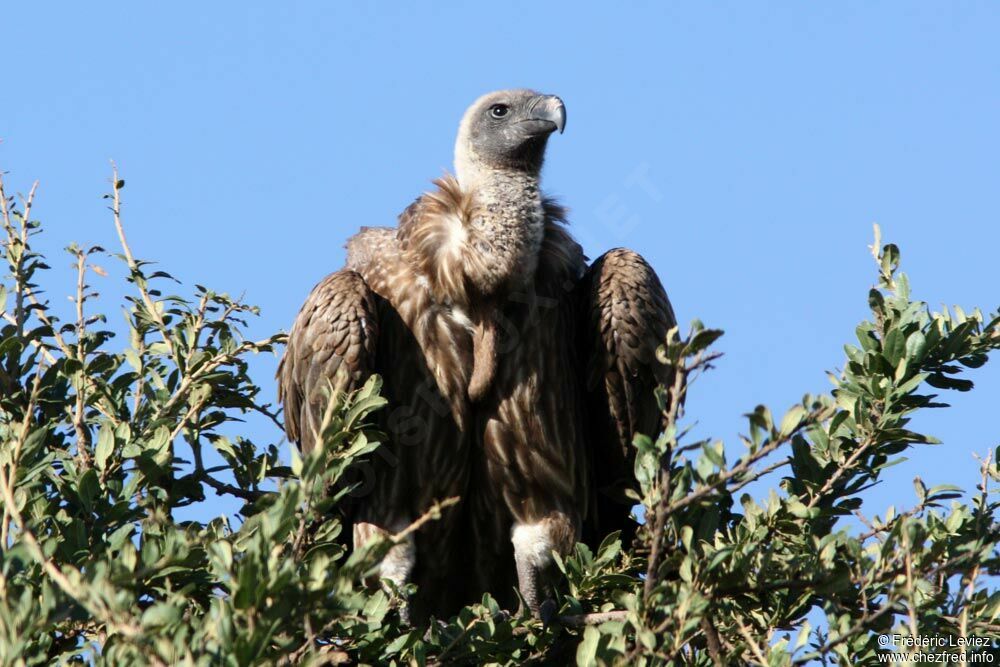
(100, 446)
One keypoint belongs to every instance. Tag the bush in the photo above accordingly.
(101, 446)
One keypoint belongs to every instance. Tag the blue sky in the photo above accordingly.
(744, 149)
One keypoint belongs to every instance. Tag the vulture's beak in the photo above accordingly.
(546, 113)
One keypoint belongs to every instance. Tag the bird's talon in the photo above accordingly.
(547, 612)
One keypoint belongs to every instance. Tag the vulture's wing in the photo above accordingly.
(331, 346)
(626, 316)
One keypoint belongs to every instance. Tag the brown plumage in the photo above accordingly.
(516, 376)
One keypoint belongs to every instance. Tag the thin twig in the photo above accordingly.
(147, 299)
(754, 648)
(660, 514)
(594, 618)
(83, 437)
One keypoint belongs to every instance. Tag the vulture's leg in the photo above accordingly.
(533, 547)
(397, 566)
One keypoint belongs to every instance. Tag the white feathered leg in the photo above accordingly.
(533, 547)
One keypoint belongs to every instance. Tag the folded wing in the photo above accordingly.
(625, 315)
(331, 347)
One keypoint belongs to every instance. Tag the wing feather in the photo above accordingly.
(625, 316)
(331, 346)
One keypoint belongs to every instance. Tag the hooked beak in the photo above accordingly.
(546, 114)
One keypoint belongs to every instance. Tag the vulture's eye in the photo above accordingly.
(499, 110)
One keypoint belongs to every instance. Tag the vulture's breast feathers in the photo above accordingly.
(471, 247)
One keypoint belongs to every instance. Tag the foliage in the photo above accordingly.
(100, 447)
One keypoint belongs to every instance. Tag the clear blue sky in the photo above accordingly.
(744, 150)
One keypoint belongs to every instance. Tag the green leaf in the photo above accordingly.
(890, 259)
(105, 446)
(916, 347)
(87, 488)
(894, 347)
(702, 339)
(361, 408)
(586, 652)
(686, 570)
(803, 637)
(792, 419)
(160, 615)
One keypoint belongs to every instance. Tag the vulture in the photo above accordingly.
(516, 375)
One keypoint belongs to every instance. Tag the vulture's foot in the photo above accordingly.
(404, 613)
(547, 612)
(436, 625)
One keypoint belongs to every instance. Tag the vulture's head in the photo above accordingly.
(507, 130)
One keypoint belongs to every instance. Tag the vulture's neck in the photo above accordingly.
(504, 231)
(475, 240)
(506, 227)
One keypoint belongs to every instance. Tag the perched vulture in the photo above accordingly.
(516, 375)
